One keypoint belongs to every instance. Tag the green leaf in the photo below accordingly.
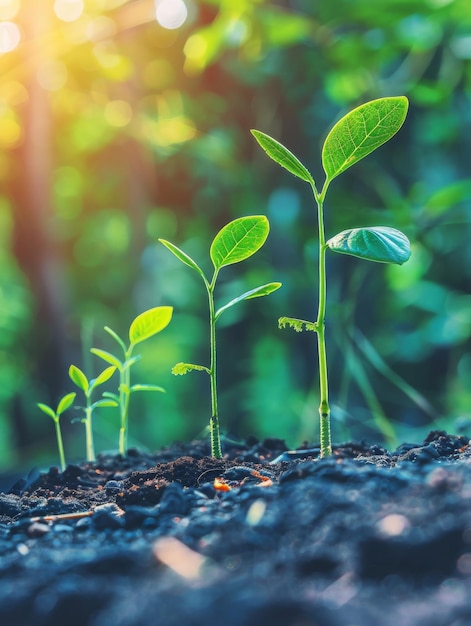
(47, 410)
(65, 402)
(105, 375)
(113, 396)
(183, 256)
(361, 131)
(282, 155)
(238, 240)
(296, 324)
(79, 378)
(180, 369)
(106, 356)
(105, 403)
(150, 323)
(147, 388)
(375, 243)
(116, 337)
(263, 290)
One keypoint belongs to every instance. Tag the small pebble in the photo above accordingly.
(36, 529)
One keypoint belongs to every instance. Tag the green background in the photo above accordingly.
(115, 131)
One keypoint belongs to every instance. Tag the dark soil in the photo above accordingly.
(262, 537)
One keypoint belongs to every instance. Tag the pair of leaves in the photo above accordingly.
(87, 386)
(356, 135)
(235, 242)
(64, 403)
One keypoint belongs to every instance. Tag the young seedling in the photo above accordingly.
(355, 136)
(64, 403)
(236, 242)
(88, 386)
(144, 326)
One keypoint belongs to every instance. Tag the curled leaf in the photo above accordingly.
(257, 292)
(375, 243)
(180, 369)
(297, 324)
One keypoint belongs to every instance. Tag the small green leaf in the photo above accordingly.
(150, 323)
(47, 410)
(183, 256)
(116, 337)
(180, 369)
(79, 378)
(375, 243)
(113, 396)
(296, 324)
(361, 131)
(104, 403)
(106, 356)
(238, 240)
(105, 375)
(282, 155)
(65, 402)
(263, 290)
(147, 388)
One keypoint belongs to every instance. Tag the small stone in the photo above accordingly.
(36, 529)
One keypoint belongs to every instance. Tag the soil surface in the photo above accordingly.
(261, 537)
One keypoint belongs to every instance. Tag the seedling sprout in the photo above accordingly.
(236, 242)
(353, 137)
(64, 403)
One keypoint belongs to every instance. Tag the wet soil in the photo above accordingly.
(261, 537)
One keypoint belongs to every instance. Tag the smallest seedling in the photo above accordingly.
(144, 326)
(88, 386)
(64, 403)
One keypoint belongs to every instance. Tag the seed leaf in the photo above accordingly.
(105, 375)
(263, 290)
(361, 131)
(47, 410)
(106, 356)
(238, 240)
(282, 155)
(79, 378)
(104, 403)
(149, 323)
(183, 256)
(65, 402)
(375, 243)
(180, 369)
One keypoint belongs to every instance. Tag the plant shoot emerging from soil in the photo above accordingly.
(237, 241)
(88, 386)
(143, 327)
(356, 135)
(64, 403)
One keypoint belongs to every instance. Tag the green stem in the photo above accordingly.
(125, 379)
(89, 433)
(324, 409)
(214, 421)
(60, 444)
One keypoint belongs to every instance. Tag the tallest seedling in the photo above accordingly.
(353, 137)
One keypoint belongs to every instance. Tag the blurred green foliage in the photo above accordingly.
(116, 130)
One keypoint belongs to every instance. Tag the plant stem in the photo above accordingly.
(124, 392)
(60, 444)
(214, 421)
(324, 409)
(89, 433)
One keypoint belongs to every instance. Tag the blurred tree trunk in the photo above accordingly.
(34, 241)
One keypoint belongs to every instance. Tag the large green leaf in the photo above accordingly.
(238, 240)
(183, 256)
(375, 243)
(149, 323)
(282, 155)
(361, 131)
(263, 290)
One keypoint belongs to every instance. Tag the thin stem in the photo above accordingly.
(125, 378)
(214, 421)
(324, 409)
(60, 444)
(89, 432)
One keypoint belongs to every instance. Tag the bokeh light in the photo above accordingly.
(171, 14)
(10, 36)
(9, 9)
(68, 10)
